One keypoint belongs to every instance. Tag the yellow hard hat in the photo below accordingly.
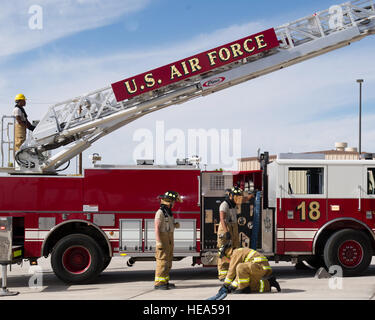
(19, 96)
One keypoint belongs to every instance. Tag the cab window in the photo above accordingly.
(306, 181)
(370, 181)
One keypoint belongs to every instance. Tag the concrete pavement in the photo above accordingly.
(119, 282)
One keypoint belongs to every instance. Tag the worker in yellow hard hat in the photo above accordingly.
(22, 123)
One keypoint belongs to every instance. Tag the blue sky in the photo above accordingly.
(163, 22)
(88, 44)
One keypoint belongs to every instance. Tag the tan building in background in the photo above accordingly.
(341, 152)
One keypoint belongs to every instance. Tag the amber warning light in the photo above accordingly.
(195, 65)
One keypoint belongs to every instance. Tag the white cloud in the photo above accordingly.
(60, 18)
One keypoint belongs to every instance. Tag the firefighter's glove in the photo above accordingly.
(229, 287)
(224, 289)
(177, 225)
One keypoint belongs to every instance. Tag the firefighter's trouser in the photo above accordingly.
(222, 264)
(19, 136)
(252, 274)
(164, 258)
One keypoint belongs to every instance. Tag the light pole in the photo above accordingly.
(360, 81)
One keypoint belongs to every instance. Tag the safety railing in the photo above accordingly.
(324, 23)
(7, 141)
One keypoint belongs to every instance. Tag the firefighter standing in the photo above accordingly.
(228, 228)
(249, 271)
(164, 228)
(22, 123)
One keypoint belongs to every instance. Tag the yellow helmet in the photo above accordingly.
(19, 96)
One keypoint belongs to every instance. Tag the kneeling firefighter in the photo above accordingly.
(228, 228)
(164, 228)
(249, 271)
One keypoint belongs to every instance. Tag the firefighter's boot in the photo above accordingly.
(273, 283)
(242, 291)
(161, 287)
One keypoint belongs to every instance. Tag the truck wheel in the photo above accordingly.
(107, 260)
(77, 258)
(316, 261)
(349, 249)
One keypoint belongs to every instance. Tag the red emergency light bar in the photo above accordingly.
(194, 65)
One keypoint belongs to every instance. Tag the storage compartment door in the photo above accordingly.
(185, 237)
(150, 242)
(5, 239)
(131, 235)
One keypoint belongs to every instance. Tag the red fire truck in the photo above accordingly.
(315, 210)
(321, 211)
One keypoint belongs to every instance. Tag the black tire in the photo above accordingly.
(349, 249)
(77, 258)
(316, 261)
(107, 260)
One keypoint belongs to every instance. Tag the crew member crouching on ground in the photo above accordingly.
(249, 271)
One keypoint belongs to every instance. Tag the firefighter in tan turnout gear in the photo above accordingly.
(164, 228)
(249, 271)
(228, 228)
(22, 123)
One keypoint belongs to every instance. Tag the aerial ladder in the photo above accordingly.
(75, 124)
